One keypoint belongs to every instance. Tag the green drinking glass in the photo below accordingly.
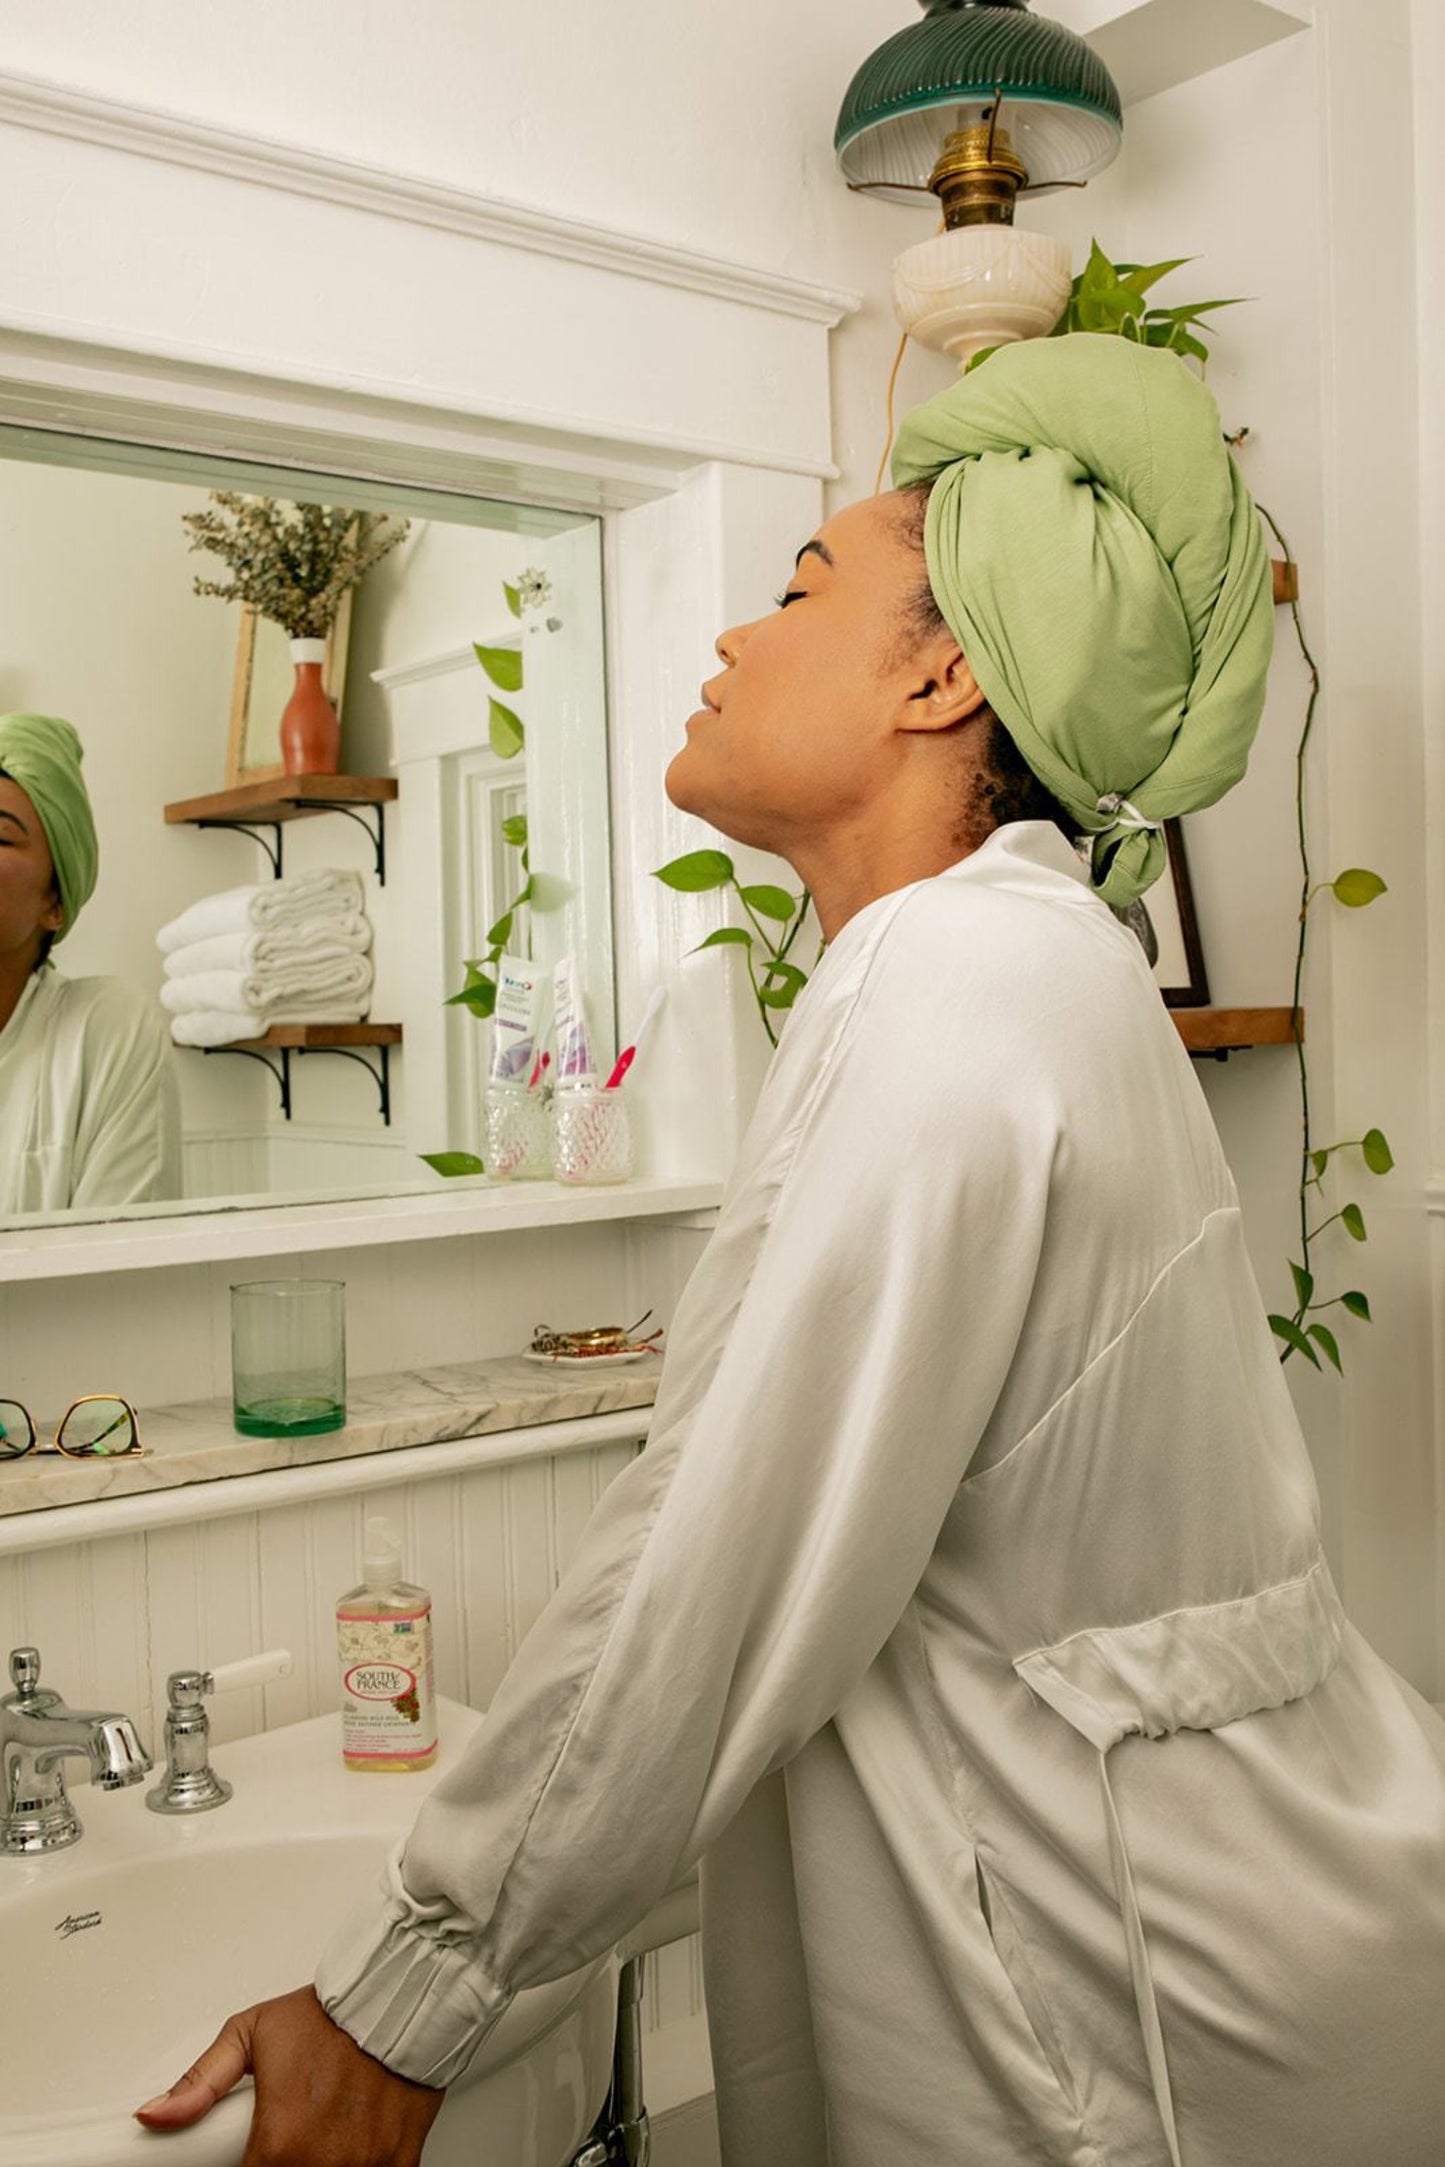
(288, 1356)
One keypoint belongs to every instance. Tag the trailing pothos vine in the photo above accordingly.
(1356, 888)
(775, 920)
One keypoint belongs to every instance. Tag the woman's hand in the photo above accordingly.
(320, 2100)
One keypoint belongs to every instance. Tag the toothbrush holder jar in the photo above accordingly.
(591, 1135)
(516, 1134)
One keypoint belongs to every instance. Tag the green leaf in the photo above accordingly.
(1098, 275)
(1354, 1223)
(514, 831)
(1191, 311)
(1320, 1160)
(1356, 1304)
(1139, 277)
(1378, 1156)
(984, 351)
(452, 1163)
(782, 983)
(1304, 1285)
(1284, 1328)
(499, 934)
(502, 664)
(727, 936)
(513, 597)
(1325, 1338)
(1357, 887)
(769, 902)
(480, 1001)
(505, 731)
(548, 891)
(698, 871)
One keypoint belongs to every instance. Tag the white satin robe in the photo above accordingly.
(89, 1103)
(967, 1615)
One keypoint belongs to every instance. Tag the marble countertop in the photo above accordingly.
(197, 1441)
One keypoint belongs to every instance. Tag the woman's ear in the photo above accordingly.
(945, 693)
(52, 912)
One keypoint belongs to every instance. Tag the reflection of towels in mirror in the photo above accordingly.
(345, 934)
(303, 900)
(223, 1027)
(320, 984)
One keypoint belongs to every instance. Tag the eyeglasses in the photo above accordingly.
(98, 1426)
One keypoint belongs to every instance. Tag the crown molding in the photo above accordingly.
(55, 109)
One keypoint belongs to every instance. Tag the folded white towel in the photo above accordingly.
(319, 940)
(220, 1026)
(263, 906)
(337, 978)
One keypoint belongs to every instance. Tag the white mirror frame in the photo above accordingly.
(462, 344)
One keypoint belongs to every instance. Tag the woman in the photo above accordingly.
(966, 1614)
(89, 1111)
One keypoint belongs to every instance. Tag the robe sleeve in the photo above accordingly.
(127, 1137)
(829, 1383)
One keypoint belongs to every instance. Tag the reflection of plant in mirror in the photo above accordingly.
(292, 563)
(766, 906)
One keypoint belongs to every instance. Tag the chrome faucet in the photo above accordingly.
(37, 1733)
(190, 1784)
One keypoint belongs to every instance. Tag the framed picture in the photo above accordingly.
(262, 685)
(1164, 919)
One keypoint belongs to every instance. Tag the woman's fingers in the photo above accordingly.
(214, 2073)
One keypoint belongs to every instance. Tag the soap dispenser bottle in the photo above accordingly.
(383, 1639)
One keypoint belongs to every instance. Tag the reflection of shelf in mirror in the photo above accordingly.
(342, 1039)
(269, 804)
(1222, 1031)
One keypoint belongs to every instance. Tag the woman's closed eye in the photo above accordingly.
(789, 594)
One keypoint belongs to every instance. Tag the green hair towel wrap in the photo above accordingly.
(43, 755)
(1103, 567)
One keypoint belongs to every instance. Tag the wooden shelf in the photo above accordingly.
(282, 797)
(272, 803)
(1232, 1030)
(317, 1036)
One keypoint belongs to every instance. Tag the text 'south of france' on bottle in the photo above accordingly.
(383, 1643)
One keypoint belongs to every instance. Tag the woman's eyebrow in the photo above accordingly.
(6, 814)
(817, 549)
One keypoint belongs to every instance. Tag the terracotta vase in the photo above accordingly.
(310, 731)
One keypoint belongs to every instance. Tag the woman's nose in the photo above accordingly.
(729, 645)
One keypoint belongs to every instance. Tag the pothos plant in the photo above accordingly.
(1111, 299)
(507, 736)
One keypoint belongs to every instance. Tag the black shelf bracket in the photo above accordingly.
(377, 834)
(380, 1075)
(282, 1073)
(253, 829)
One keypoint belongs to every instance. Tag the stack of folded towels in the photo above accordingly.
(287, 951)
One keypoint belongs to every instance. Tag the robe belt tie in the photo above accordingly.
(1139, 1970)
(1125, 816)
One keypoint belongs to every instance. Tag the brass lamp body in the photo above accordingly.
(978, 177)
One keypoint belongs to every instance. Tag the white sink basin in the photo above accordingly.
(124, 1954)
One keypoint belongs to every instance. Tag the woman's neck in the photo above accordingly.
(17, 968)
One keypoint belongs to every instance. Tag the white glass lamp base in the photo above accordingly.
(981, 286)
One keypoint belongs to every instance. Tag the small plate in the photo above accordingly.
(589, 1361)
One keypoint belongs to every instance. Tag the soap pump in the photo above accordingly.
(384, 1644)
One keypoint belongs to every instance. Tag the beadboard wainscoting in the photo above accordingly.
(113, 1616)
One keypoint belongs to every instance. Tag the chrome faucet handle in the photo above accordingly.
(190, 1784)
(25, 1675)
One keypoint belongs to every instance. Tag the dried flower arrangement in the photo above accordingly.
(294, 563)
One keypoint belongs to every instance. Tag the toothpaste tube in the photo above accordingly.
(575, 1064)
(515, 1019)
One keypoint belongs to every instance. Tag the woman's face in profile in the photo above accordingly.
(29, 901)
(794, 734)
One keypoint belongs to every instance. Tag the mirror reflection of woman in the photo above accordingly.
(89, 1107)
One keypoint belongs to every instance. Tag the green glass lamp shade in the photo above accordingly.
(1061, 106)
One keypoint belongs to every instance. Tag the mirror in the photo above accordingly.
(322, 1058)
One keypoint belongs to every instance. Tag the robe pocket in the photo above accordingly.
(1194, 1668)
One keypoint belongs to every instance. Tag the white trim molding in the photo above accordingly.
(28, 101)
